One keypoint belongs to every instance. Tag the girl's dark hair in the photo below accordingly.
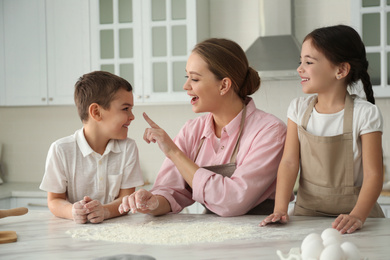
(225, 58)
(340, 44)
(97, 87)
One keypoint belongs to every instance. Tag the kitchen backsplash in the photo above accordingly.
(27, 132)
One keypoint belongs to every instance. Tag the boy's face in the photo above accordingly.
(116, 119)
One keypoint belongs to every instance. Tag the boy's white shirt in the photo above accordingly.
(367, 118)
(72, 167)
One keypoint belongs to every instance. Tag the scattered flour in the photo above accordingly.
(162, 231)
(154, 233)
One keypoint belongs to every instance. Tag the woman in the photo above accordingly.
(227, 159)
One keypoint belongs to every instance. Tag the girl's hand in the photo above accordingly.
(79, 213)
(275, 217)
(347, 223)
(157, 134)
(141, 201)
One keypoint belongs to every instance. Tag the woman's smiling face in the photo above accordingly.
(202, 85)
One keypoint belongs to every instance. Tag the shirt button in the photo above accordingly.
(224, 130)
(100, 162)
(222, 147)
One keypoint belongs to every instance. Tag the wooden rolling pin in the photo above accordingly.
(13, 212)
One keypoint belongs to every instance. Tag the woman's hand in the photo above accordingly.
(157, 134)
(275, 217)
(141, 201)
(347, 223)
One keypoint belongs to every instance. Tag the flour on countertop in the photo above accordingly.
(157, 233)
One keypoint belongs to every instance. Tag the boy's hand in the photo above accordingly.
(94, 209)
(141, 201)
(79, 213)
(274, 218)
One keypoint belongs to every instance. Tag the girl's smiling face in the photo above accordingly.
(202, 85)
(118, 117)
(316, 71)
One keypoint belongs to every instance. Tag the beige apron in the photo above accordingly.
(326, 185)
(227, 170)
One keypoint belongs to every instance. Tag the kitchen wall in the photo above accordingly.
(27, 132)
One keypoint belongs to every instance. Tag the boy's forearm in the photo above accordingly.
(61, 208)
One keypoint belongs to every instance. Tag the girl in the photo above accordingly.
(333, 137)
(226, 159)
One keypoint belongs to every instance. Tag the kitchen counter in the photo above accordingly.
(31, 189)
(43, 236)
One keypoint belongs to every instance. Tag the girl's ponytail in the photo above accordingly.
(365, 78)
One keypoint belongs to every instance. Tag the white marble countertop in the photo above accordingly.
(31, 190)
(43, 236)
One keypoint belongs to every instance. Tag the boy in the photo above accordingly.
(89, 172)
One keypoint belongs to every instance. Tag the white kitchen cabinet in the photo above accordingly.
(147, 43)
(5, 203)
(195, 208)
(68, 48)
(384, 202)
(44, 48)
(371, 18)
(386, 210)
(30, 203)
(23, 44)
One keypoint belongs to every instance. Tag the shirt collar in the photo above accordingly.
(233, 126)
(112, 146)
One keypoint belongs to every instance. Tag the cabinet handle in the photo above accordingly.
(51, 99)
(147, 96)
(43, 99)
(36, 205)
(139, 96)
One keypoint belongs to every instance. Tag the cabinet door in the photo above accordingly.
(68, 51)
(145, 42)
(170, 34)
(24, 46)
(30, 203)
(5, 203)
(116, 40)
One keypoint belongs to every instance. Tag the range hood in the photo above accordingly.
(275, 53)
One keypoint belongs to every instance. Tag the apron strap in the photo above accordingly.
(306, 116)
(235, 151)
(348, 113)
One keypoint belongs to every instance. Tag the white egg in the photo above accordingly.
(330, 232)
(351, 251)
(309, 238)
(333, 252)
(332, 241)
(312, 249)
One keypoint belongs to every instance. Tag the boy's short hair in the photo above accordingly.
(97, 87)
